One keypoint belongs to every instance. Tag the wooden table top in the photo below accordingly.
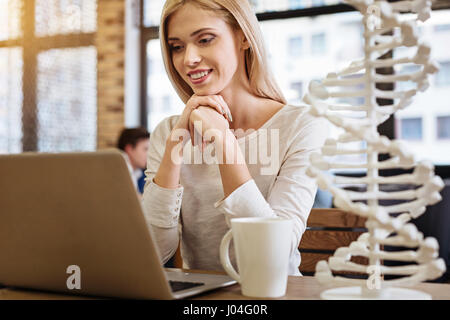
(307, 288)
(299, 288)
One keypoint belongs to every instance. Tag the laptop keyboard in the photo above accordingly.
(181, 285)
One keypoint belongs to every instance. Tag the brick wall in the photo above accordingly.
(110, 44)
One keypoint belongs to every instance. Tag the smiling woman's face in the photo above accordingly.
(205, 50)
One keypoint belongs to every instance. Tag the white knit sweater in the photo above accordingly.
(197, 213)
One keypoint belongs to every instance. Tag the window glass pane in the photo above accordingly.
(295, 46)
(434, 102)
(406, 69)
(162, 99)
(65, 16)
(410, 129)
(318, 45)
(11, 98)
(297, 87)
(152, 12)
(353, 101)
(283, 5)
(67, 100)
(443, 76)
(443, 127)
(442, 28)
(10, 11)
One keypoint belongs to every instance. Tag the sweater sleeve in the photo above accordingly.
(292, 194)
(161, 206)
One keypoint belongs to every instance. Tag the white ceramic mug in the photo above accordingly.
(262, 247)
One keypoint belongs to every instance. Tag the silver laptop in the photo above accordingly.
(72, 223)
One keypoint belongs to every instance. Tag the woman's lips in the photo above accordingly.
(201, 79)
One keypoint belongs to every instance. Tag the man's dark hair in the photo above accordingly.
(131, 136)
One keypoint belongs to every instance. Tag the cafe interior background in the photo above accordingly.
(74, 73)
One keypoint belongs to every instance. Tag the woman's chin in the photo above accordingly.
(205, 91)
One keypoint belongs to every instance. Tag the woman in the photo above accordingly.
(214, 55)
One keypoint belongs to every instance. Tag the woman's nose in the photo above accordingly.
(191, 56)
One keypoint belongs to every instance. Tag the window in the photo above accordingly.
(160, 92)
(67, 117)
(301, 4)
(442, 28)
(166, 103)
(296, 4)
(10, 12)
(297, 88)
(318, 45)
(406, 69)
(354, 101)
(48, 75)
(56, 17)
(152, 12)
(443, 127)
(443, 76)
(11, 99)
(410, 129)
(295, 46)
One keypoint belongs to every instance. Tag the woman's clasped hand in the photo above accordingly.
(207, 118)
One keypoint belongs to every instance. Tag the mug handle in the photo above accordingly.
(225, 258)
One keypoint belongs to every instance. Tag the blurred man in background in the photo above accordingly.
(134, 142)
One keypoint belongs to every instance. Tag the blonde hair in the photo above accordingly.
(239, 15)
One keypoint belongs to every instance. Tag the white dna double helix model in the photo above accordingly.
(388, 225)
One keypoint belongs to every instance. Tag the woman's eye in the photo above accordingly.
(206, 40)
(175, 48)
